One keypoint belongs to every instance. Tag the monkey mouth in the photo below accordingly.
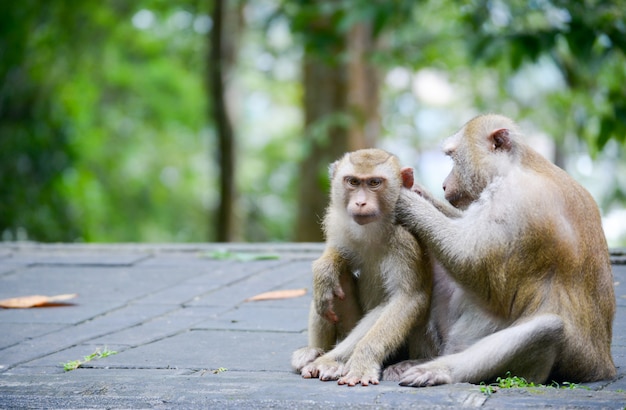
(459, 201)
(364, 219)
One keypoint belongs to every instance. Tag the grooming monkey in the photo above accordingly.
(372, 285)
(530, 289)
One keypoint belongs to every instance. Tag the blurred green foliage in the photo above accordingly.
(105, 133)
(103, 126)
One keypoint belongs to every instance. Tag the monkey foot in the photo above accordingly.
(422, 376)
(328, 369)
(353, 378)
(323, 368)
(302, 357)
(395, 371)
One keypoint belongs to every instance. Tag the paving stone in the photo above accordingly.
(14, 333)
(176, 316)
(212, 349)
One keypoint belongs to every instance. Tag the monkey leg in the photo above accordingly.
(331, 366)
(528, 350)
(380, 333)
(322, 337)
(323, 334)
(348, 309)
(328, 271)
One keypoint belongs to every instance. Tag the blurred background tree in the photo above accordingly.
(112, 113)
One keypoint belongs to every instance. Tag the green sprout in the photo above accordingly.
(512, 382)
(240, 256)
(98, 354)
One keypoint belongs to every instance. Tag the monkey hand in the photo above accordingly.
(421, 191)
(363, 373)
(326, 289)
(325, 368)
(325, 302)
(405, 207)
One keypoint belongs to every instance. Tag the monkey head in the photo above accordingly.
(485, 148)
(366, 183)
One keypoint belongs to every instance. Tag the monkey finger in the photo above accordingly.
(338, 292)
(308, 375)
(418, 189)
(309, 372)
(331, 316)
(354, 380)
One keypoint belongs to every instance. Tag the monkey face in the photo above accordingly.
(481, 151)
(362, 198)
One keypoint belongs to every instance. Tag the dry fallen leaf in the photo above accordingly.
(278, 294)
(35, 301)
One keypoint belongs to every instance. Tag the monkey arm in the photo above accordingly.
(453, 241)
(443, 206)
(327, 272)
(475, 249)
(381, 332)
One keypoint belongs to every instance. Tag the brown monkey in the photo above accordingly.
(372, 272)
(530, 288)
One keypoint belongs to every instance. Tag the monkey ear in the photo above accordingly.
(407, 177)
(332, 168)
(500, 140)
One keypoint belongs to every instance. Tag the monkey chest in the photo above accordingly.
(371, 287)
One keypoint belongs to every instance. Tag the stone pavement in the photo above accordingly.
(186, 337)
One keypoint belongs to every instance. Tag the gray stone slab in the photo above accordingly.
(133, 388)
(175, 316)
(264, 280)
(73, 258)
(78, 311)
(53, 364)
(160, 327)
(210, 349)
(619, 275)
(114, 321)
(197, 260)
(253, 316)
(199, 285)
(9, 268)
(103, 284)
(13, 333)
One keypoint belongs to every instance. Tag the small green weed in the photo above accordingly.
(511, 382)
(240, 256)
(98, 354)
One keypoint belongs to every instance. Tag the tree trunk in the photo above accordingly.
(363, 88)
(333, 89)
(221, 58)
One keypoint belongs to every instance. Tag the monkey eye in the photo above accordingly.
(374, 182)
(352, 181)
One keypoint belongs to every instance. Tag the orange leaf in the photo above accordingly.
(35, 301)
(278, 294)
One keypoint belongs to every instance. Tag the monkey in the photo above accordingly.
(372, 284)
(528, 285)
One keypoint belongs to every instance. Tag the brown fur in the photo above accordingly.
(527, 255)
(372, 272)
